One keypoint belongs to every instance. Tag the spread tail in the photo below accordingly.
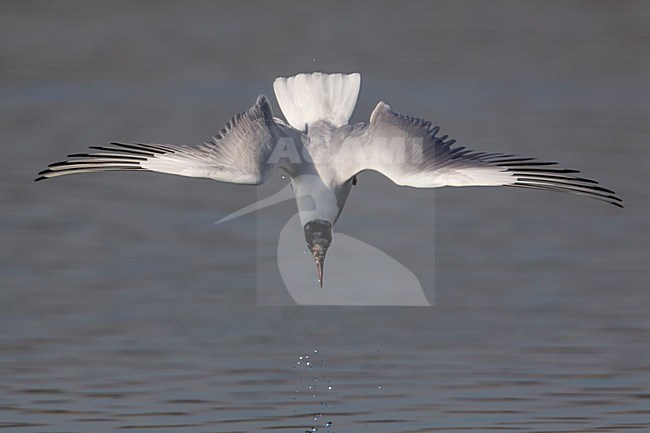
(308, 98)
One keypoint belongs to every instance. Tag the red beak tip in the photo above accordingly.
(319, 271)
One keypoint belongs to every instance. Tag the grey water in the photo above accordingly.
(124, 308)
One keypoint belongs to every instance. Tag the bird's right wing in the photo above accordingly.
(242, 152)
(408, 151)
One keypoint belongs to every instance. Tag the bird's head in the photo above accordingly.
(318, 234)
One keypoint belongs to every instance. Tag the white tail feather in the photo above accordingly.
(309, 98)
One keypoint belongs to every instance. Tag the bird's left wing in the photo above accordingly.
(408, 151)
(240, 153)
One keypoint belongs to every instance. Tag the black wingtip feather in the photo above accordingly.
(125, 151)
(611, 199)
(159, 149)
(542, 170)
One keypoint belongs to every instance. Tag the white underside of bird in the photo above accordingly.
(323, 154)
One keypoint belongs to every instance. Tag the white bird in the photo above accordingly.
(323, 154)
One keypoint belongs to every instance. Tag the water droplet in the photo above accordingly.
(329, 387)
(329, 423)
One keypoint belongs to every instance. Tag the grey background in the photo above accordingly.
(123, 307)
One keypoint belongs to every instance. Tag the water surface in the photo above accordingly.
(122, 307)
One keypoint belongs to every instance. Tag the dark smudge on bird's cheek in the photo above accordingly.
(318, 234)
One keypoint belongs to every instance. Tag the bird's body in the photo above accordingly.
(323, 154)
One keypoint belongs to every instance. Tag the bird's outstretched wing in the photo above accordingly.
(408, 151)
(240, 153)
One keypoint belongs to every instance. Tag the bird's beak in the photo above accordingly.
(319, 270)
(319, 251)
